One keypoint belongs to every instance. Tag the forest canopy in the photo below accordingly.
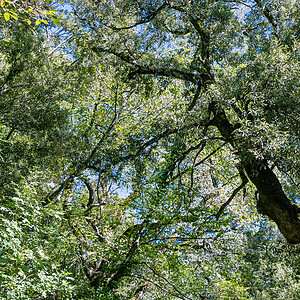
(150, 149)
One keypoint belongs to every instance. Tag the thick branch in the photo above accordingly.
(165, 71)
(123, 267)
(92, 194)
(272, 200)
(204, 40)
(267, 13)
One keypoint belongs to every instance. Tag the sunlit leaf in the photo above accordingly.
(6, 16)
(56, 21)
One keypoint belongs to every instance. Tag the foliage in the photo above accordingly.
(27, 268)
(137, 142)
(29, 12)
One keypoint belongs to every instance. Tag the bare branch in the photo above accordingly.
(202, 160)
(234, 193)
(12, 130)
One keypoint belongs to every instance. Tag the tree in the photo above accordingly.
(238, 66)
(31, 128)
(32, 138)
(167, 123)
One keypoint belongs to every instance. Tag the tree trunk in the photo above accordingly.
(272, 200)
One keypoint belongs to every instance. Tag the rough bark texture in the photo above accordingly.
(272, 200)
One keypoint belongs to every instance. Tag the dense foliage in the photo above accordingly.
(149, 149)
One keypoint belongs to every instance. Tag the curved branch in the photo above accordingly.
(139, 69)
(234, 193)
(92, 193)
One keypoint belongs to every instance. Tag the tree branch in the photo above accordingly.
(152, 70)
(123, 267)
(267, 13)
(234, 193)
(168, 282)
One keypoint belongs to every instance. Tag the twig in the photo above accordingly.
(234, 193)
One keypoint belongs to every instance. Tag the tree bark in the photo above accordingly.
(272, 201)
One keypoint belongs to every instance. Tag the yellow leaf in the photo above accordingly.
(6, 16)
(14, 16)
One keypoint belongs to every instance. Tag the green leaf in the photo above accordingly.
(4, 260)
(55, 21)
(24, 268)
